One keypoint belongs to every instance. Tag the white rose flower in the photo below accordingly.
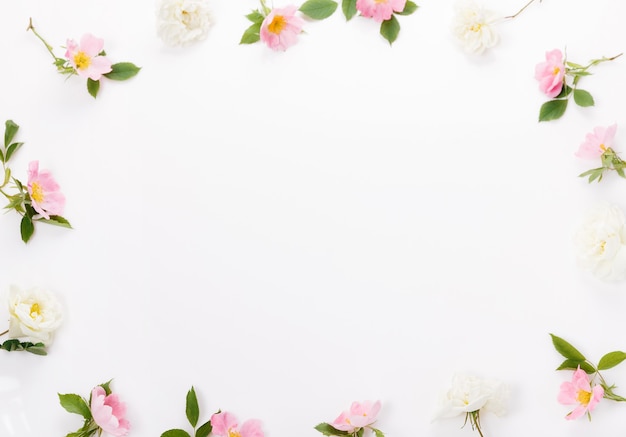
(181, 22)
(469, 394)
(601, 243)
(34, 315)
(472, 27)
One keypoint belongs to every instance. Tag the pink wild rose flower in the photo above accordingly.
(359, 416)
(85, 57)
(580, 393)
(108, 412)
(226, 425)
(597, 143)
(281, 27)
(551, 73)
(44, 192)
(380, 10)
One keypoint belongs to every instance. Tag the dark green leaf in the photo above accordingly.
(30, 211)
(192, 410)
(75, 404)
(251, 35)
(93, 86)
(329, 430)
(1, 156)
(26, 228)
(390, 29)
(566, 349)
(349, 8)
(318, 9)
(12, 149)
(204, 430)
(106, 386)
(10, 129)
(360, 432)
(175, 433)
(409, 8)
(565, 91)
(552, 109)
(574, 364)
(122, 71)
(611, 359)
(256, 16)
(57, 220)
(583, 98)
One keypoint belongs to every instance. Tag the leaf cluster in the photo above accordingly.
(610, 161)
(192, 410)
(76, 404)
(16, 345)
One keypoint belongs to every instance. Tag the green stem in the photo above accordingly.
(48, 46)
(266, 10)
(521, 10)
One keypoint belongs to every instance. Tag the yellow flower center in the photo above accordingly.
(233, 433)
(37, 192)
(35, 310)
(556, 71)
(583, 397)
(476, 27)
(277, 25)
(603, 147)
(81, 60)
(381, 1)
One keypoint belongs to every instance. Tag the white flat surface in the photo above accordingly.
(289, 232)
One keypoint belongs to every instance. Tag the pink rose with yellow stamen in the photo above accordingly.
(108, 412)
(551, 73)
(85, 57)
(226, 425)
(597, 142)
(379, 10)
(281, 27)
(360, 415)
(580, 393)
(44, 193)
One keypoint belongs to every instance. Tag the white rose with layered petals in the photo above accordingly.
(182, 22)
(34, 315)
(469, 394)
(473, 28)
(601, 243)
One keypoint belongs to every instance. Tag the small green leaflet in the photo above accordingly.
(611, 359)
(251, 34)
(75, 404)
(328, 430)
(192, 410)
(10, 129)
(552, 110)
(390, 29)
(26, 228)
(573, 365)
(583, 98)
(409, 8)
(318, 9)
(93, 86)
(122, 71)
(566, 349)
(349, 8)
(175, 433)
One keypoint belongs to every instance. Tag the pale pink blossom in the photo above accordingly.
(226, 425)
(379, 10)
(85, 57)
(551, 73)
(360, 415)
(597, 142)
(281, 27)
(44, 193)
(580, 393)
(108, 412)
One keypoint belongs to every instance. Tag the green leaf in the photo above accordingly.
(360, 432)
(378, 432)
(1, 156)
(552, 109)
(574, 364)
(37, 349)
(57, 220)
(583, 98)
(122, 71)
(318, 9)
(611, 359)
(256, 16)
(409, 8)
(7, 176)
(390, 29)
(10, 129)
(175, 433)
(93, 86)
(26, 228)
(75, 404)
(565, 91)
(251, 34)
(192, 410)
(204, 430)
(329, 430)
(566, 349)
(593, 174)
(12, 149)
(574, 65)
(349, 8)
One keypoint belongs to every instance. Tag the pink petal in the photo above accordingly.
(91, 45)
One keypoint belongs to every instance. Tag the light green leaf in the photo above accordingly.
(57, 220)
(349, 8)
(26, 228)
(204, 430)
(574, 65)
(93, 86)
(75, 404)
(251, 35)
(574, 364)
(390, 29)
(37, 349)
(12, 149)
(583, 98)
(175, 433)
(611, 359)
(192, 410)
(255, 16)
(409, 8)
(318, 9)
(328, 430)
(10, 129)
(7, 176)
(122, 71)
(378, 432)
(552, 110)
(566, 349)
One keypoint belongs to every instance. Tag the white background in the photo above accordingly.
(290, 232)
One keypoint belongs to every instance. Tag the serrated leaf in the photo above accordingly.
(611, 359)
(552, 110)
(574, 364)
(318, 9)
(57, 220)
(192, 410)
(122, 71)
(12, 149)
(390, 29)
(255, 16)
(566, 349)
(26, 228)
(328, 430)
(251, 34)
(349, 8)
(204, 430)
(175, 433)
(10, 129)
(93, 86)
(583, 98)
(409, 8)
(75, 404)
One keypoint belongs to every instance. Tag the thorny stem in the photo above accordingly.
(522, 10)
(48, 46)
